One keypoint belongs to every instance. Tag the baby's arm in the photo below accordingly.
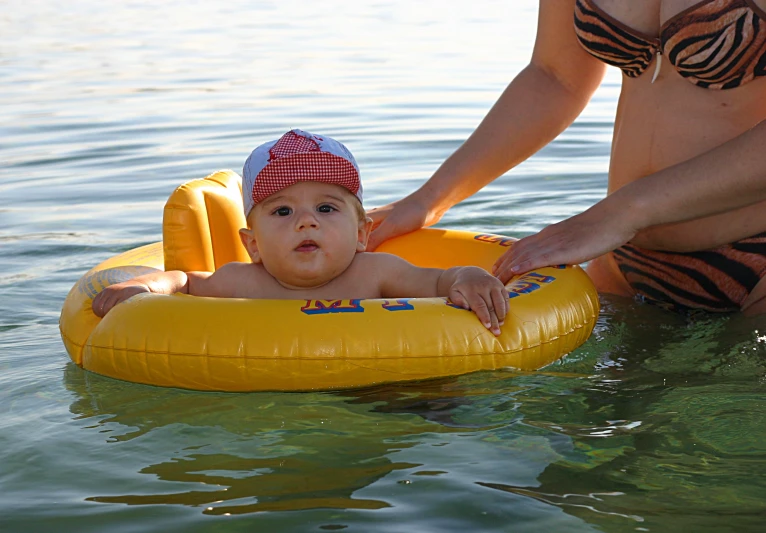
(157, 282)
(469, 287)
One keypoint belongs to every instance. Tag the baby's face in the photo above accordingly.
(307, 234)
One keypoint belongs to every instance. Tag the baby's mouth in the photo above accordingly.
(307, 246)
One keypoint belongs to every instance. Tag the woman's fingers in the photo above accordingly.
(379, 214)
(573, 241)
(386, 230)
(398, 218)
(402, 218)
(525, 256)
(384, 227)
(502, 269)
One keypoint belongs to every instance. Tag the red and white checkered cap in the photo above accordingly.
(297, 156)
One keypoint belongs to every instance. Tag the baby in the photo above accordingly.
(306, 236)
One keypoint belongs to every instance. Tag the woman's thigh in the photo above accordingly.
(755, 304)
(607, 278)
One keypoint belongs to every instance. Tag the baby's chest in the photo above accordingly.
(343, 287)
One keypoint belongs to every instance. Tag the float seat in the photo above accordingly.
(201, 222)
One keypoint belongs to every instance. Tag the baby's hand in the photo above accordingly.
(476, 289)
(114, 294)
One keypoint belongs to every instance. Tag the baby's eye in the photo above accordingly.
(282, 211)
(326, 208)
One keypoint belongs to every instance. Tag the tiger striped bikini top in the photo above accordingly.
(716, 44)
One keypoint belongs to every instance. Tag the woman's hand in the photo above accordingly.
(604, 227)
(397, 218)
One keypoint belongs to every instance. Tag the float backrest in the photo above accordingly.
(201, 222)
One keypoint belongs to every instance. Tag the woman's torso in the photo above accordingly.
(672, 120)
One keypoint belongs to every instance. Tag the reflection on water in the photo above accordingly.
(264, 452)
(671, 436)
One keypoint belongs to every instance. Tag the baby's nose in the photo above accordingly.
(307, 219)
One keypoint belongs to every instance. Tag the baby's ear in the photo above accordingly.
(365, 227)
(247, 236)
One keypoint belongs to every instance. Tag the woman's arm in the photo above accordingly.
(541, 101)
(729, 177)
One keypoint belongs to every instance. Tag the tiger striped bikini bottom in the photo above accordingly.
(719, 279)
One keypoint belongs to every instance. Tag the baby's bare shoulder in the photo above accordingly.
(384, 267)
(237, 265)
(240, 280)
(378, 259)
(239, 270)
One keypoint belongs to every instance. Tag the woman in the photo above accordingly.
(684, 220)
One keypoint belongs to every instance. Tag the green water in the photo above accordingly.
(657, 423)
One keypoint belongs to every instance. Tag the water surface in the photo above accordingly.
(656, 424)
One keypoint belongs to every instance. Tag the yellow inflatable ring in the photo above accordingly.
(290, 345)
